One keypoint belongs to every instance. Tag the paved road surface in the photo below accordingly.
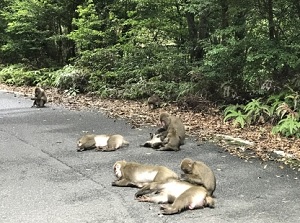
(43, 178)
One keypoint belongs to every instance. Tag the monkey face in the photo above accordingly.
(186, 165)
(37, 92)
(117, 170)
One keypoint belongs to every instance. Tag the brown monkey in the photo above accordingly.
(155, 141)
(173, 129)
(101, 142)
(154, 101)
(92, 141)
(180, 194)
(114, 142)
(198, 173)
(171, 142)
(39, 98)
(131, 174)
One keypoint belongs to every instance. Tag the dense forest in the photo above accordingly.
(245, 53)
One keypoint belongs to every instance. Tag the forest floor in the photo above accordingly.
(247, 143)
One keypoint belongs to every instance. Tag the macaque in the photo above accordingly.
(173, 129)
(155, 141)
(154, 102)
(114, 142)
(176, 196)
(198, 173)
(101, 142)
(171, 142)
(132, 174)
(39, 98)
(92, 141)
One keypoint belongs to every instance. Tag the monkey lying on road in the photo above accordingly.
(176, 196)
(101, 142)
(139, 175)
(155, 141)
(198, 173)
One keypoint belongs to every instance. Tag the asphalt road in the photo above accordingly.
(44, 179)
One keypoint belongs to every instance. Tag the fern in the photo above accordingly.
(255, 110)
(287, 127)
(234, 112)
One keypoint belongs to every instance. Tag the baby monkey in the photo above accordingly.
(39, 98)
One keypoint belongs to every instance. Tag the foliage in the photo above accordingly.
(256, 110)
(281, 110)
(235, 112)
(20, 75)
(289, 126)
(224, 51)
(72, 79)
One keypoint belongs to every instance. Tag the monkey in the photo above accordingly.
(92, 141)
(172, 129)
(39, 98)
(114, 142)
(193, 198)
(154, 101)
(101, 142)
(176, 195)
(171, 142)
(155, 141)
(198, 173)
(132, 174)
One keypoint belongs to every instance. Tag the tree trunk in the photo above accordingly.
(272, 33)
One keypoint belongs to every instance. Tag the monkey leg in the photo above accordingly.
(41, 103)
(99, 148)
(108, 149)
(168, 148)
(123, 183)
(147, 144)
(168, 209)
(143, 198)
(149, 188)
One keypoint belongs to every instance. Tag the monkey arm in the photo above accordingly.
(191, 178)
(147, 189)
(161, 131)
(123, 183)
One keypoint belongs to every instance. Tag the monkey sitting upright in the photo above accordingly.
(172, 129)
(176, 195)
(39, 98)
(198, 173)
(132, 174)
